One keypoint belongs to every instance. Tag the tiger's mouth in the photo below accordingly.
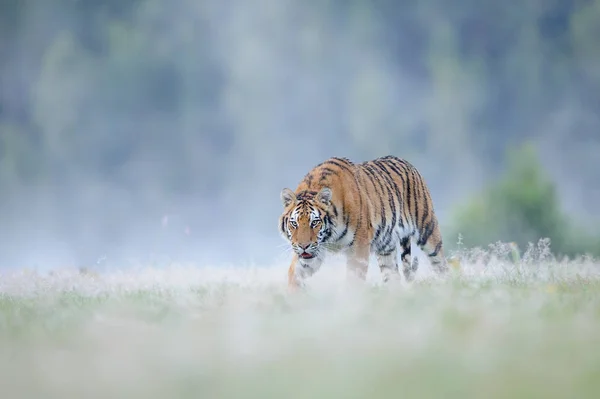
(306, 255)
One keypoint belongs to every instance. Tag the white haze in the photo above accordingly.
(501, 329)
(295, 84)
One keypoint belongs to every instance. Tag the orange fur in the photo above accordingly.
(377, 206)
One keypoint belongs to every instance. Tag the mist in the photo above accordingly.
(146, 131)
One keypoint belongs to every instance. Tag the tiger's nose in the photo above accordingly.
(304, 246)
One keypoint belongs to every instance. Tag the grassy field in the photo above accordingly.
(495, 330)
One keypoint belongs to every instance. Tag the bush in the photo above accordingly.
(521, 207)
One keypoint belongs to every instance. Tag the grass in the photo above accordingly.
(495, 330)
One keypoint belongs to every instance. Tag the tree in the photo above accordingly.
(522, 207)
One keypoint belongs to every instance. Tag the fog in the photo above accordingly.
(140, 131)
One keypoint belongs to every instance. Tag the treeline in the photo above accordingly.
(115, 113)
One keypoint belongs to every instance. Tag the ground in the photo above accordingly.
(496, 330)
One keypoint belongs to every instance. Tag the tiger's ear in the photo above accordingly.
(324, 196)
(288, 197)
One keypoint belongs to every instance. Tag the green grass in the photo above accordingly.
(498, 331)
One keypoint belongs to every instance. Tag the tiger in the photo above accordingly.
(379, 206)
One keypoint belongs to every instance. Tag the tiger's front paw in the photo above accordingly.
(295, 284)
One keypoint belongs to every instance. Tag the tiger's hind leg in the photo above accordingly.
(433, 247)
(410, 263)
(388, 264)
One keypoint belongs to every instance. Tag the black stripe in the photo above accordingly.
(330, 220)
(437, 249)
(308, 179)
(416, 184)
(367, 177)
(401, 174)
(327, 218)
(391, 202)
(408, 192)
(390, 179)
(427, 233)
(360, 201)
(405, 244)
(377, 233)
(400, 171)
(283, 223)
(374, 179)
(306, 195)
(325, 173)
(339, 164)
(343, 160)
(327, 223)
(385, 243)
(425, 211)
(346, 219)
(386, 253)
(419, 198)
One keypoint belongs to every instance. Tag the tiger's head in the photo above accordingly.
(304, 222)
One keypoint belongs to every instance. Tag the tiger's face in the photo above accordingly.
(304, 222)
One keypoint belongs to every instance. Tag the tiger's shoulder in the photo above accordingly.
(328, 172)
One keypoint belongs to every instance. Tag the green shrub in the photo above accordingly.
(521, 207)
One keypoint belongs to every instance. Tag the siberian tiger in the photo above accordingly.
(378, 206)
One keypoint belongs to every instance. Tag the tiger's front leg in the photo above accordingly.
(300, 270)
(358, 261)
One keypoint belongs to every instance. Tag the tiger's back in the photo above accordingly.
(376, 206)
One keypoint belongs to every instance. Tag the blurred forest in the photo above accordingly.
(135, 128)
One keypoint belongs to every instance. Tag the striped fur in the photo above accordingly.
(379, 206)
